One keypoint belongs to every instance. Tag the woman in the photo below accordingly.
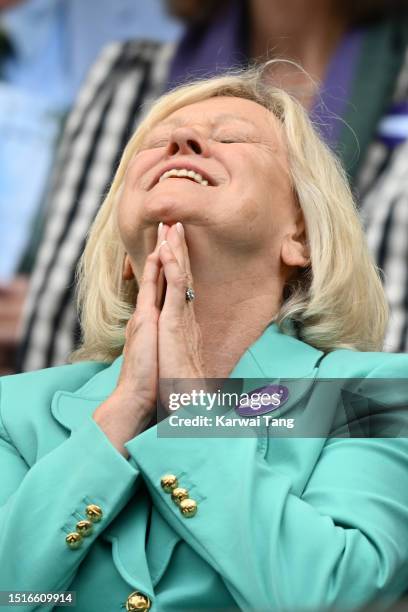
(232, 228)
(324, 42)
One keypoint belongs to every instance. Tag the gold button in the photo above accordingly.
(138, 601)
(94, 513)
(178, 494)
(73, 540)
(188, 507)
(85, 528)
(169, 482)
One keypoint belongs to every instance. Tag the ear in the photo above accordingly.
(127, 272)
(295, 250)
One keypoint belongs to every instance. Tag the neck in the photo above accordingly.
(304, 32)
(232, 309)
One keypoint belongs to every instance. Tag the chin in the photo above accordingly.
(171, 207)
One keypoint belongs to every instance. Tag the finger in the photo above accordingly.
(161, 283)
(162, 231)
(187, 266)
(147, 293)
(147, 296)
(177, 281)
(174, 239)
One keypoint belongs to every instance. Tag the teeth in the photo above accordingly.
(184, 173)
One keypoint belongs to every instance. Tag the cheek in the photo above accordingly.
(139, 169)
(128, 218)
(251, 209)
(275, 191)
(264, 199)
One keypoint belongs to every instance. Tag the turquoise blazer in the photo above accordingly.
(282, 523)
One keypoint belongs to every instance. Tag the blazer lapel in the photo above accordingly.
(274, 359)
(139, 565)
(277, 355)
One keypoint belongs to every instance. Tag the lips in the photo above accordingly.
(186, 171)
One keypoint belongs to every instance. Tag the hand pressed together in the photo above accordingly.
(163, 340)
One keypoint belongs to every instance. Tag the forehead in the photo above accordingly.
(223, 110)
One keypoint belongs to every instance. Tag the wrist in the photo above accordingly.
(128, 402)
(120, 419)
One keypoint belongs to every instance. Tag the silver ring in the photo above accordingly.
(190, 295)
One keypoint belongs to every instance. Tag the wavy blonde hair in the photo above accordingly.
(338, 302)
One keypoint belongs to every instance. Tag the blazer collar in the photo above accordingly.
(273, 355)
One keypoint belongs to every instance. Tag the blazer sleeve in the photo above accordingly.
(40, 505)
(341, 542)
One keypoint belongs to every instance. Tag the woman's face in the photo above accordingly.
(220, 167)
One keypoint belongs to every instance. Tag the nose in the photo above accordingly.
(187, 141)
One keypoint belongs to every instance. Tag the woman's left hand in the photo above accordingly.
(179, 335)
(179, 339)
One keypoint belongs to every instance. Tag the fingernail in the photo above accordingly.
(159, 229)
(180, 228)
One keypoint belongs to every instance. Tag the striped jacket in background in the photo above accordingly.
(119, 89)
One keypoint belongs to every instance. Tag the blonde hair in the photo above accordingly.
(338, 302)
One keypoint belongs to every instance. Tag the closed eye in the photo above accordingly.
(157, 144)
(233, 139)
(155, 141)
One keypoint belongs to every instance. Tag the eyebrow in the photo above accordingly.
(179, 122)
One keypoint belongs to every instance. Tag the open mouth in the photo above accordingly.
(184, 173)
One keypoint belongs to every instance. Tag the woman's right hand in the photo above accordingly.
(130, 407)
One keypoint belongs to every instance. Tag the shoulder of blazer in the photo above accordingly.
(24, 393)
(343, 363)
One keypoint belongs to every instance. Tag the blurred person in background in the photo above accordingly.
(46, 48)
(357, 52)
